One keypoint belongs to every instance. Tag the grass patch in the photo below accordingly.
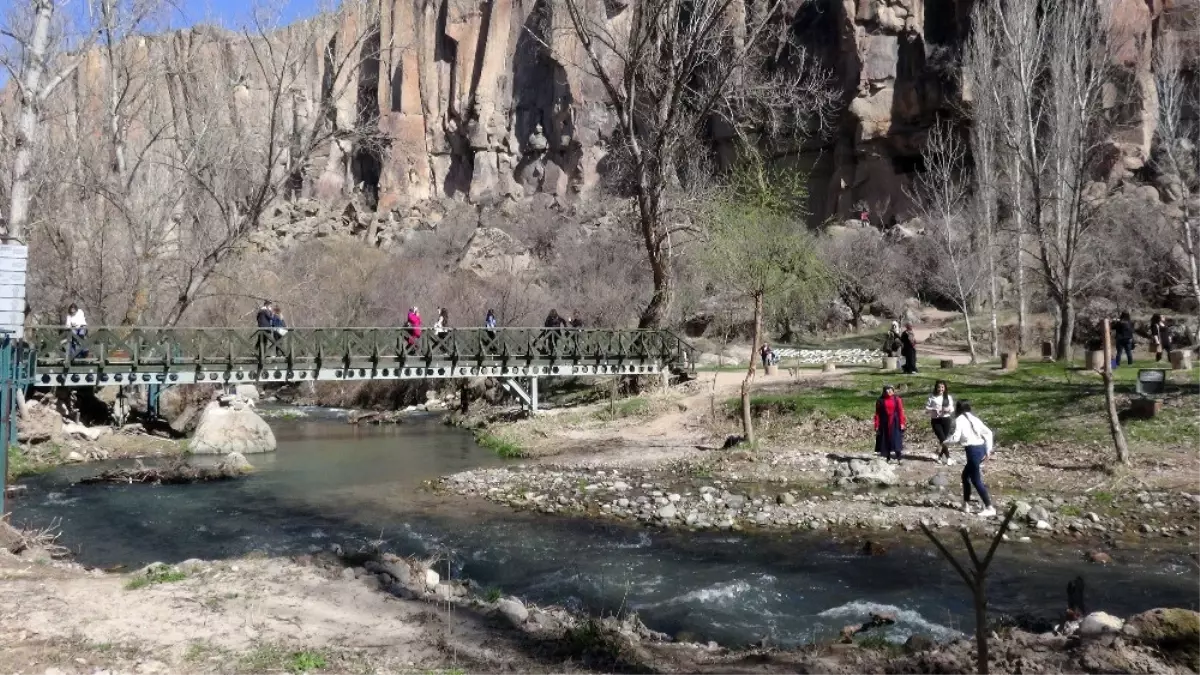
(22, 463)
(880, 643)
(492, 594)
(1103, 498)
(637, 406)
(1037, 402)
(304, 661)
(500, 445)
(1071, 511)
(160, 574)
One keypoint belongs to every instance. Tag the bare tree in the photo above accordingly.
(942, 200)
(36, 55)
(979, 73)
(975, 578)
(673, 72)
(1020, 43)
(1176, 155)
(865, 270)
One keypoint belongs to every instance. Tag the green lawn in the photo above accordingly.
(1037, 402)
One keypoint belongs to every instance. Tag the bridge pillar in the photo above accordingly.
(533, 395)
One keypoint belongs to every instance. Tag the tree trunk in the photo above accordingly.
(27, 119)
(1114, 420)
(747, 422)
(1193, 253)
(981, 623)
(971, 337)
(650, 215)
(1066, 327)
(993, 297)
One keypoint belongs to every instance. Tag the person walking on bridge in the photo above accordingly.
(413, 325)
(278, 328)
(265, 318)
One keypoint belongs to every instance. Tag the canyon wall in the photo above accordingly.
(485, 101)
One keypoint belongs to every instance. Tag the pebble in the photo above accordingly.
(1042, 525)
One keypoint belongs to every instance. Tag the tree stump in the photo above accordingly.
(891, 363)
(772, 370)
(1008, 360)
(829, 368)
(946, 364)
(1145, 408)
(1181, 359)
(1095, 360)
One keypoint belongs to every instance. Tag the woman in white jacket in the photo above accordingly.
(976, 438)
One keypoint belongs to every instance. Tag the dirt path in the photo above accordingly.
(676, 432)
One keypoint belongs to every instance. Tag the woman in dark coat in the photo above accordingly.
(890, 424)
(908, 349)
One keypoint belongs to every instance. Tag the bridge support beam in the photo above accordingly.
(529, 399)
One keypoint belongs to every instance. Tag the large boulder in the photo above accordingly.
(491, 252)
(231, 425)
(39, 423)
(872, 472)
(1174, 632)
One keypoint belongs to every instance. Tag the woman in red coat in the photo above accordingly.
(889, 424)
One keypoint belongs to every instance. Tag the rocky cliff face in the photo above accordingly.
(483, 100)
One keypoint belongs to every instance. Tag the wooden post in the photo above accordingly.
(946, 364)
(1008, 360)
(1114, 420)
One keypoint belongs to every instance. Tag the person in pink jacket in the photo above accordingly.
(413, 324)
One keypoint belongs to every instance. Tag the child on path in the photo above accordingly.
(976, 438)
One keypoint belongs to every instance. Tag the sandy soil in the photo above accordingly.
(246, 615)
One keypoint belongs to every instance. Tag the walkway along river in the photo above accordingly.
(331, 482)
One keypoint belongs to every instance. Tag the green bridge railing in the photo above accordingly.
(179, 355)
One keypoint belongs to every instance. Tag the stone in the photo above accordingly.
(1042, 525)
(1023, 509)
(513, 610)
(246, 391)
(1165, 628)
(38, 424)
(432, 579)
(939, 480)
(74, 456)
(492, 252)
(787, 498)
(1099, 623)
(225, 429)
(918, 643)
(72, 430)
(1037, 513)
(1099, 557)
(667, 512)
(235, 462)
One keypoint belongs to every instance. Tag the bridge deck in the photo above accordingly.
(186, 355)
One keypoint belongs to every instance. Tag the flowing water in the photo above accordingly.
(333, 482)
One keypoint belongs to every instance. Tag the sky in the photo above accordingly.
(234, 13)
(231, 14)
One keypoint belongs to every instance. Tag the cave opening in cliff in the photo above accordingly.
(366, 168)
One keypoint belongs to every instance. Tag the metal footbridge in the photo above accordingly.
(168, 356)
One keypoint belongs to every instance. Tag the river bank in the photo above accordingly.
(664, 460)
(335, 611)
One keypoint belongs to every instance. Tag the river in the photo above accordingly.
(333, 482)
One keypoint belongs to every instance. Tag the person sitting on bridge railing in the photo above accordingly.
(576, 322)
(77, 324)
(442, 325)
